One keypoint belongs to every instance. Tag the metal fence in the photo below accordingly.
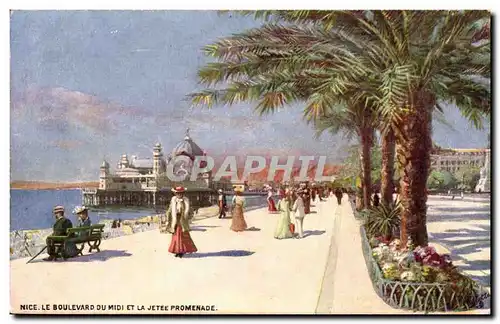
(426, 297)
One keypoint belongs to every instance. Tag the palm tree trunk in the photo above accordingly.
(366, 164)
(414, 147)
(388, 152)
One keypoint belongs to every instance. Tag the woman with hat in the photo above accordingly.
(178, 216)
(238, 223)
(284, 206)
(271, 207)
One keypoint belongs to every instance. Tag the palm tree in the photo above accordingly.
(417, 58)
(358, 120)
(438, 63)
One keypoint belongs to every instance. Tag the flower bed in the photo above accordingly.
(419, 279)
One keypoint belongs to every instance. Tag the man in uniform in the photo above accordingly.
(59, 229)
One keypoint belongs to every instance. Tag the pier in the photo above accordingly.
(199, 197)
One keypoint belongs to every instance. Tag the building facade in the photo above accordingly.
(144, 181)
(453, 160)
(150, 174)
(484, 183)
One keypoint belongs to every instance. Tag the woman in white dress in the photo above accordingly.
(283, 229)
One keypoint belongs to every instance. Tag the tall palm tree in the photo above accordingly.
(417, 58)
(437, 63)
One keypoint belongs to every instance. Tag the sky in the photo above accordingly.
(92, 85)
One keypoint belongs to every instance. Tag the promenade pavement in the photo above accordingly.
(353, 291)
(242, 273)
(463, 227)
(246, 272)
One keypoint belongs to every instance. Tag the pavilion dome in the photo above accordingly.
(187, 147)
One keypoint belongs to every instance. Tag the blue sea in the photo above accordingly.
(32, 209)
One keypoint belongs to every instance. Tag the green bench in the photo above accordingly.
(78, 235)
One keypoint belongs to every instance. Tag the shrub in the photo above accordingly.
(383, 220)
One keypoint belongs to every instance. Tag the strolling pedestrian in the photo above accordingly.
(178, 215)
(222, 204)
(283, 230)
(238, 223)
(339, 194)
(271, 207)
(299, 214)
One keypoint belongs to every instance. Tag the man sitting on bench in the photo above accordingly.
(82, 213)
(59, 229)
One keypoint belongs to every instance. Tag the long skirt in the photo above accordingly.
(238, 223)
(283, 229)
(271, 207)
(181, 242)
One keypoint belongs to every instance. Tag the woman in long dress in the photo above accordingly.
(307, 200)
(271, 207)
(178, 217)
(284, 221)
(238, 223)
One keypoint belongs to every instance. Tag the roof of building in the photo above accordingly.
(187, 147)
(455, 151)
(142, 163)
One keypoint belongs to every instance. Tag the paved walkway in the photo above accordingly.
(237, 273)
(463, 228)
(248, 272)
(353, 291)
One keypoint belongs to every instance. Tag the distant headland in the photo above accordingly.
(37, 185)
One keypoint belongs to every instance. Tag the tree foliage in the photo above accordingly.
(351, 164)
(468, 177)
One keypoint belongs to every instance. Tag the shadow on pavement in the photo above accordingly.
(252, 229)
(97, 256)
(460, 210)
(202, 228)
(227, 253)
(312, 233)
(457, 217)
(206, 226)
(465, 241)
